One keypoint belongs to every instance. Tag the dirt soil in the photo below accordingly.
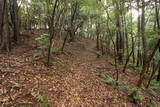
(73, 80)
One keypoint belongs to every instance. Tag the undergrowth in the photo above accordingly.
(152, 103)
(39, 96)
(98, 53)
(154, 88)
(42, 42)
(134, 94)
(108, 80)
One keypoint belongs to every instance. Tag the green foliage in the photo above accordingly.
(42, 42)
(135, 96)
(24, 33)
(152, 103)
(133, 93)
(62, 64)
(92, 31)
(39, 96)
(154, 88)
(156, 36)
(56, 51)
(45, 105)
(108, 80)
(156, 58)
(111, 62)
(18, 86)
(92, 70)
(152, 34)
(125, 88)
(99, 53)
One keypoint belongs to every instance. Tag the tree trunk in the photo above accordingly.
(4, 28)
(158, 76)
(146, 65)
(72, 26)
(133, 41)
(64, 42)
(138, 34)
(98, 34)
(128, 58)
(126, 37)
(152, 74)
(158, 26)
(15, 19)
(144, 42)
(52, 32)
(119, 41)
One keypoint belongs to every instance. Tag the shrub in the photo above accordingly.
(125, 88)
(107, 79)
(98, 53)
(39, 96)
(135, 96)
(154, 88)
(42, 42)
(152, 103)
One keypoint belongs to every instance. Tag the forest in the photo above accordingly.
(79, 53)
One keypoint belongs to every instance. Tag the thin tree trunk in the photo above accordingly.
(138, 34)
(153, 73)
(72, 26)
(64, 42)
(133, 42)
(126, 37)
(144, 42)
(158, 76)
(146, 65)
(98, 34)
(158, 28)
(119, 33)
(52, 33)
(128, 58)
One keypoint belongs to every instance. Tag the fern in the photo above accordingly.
(99, 53)
(152, 103)
(45, 105)
(39, 96)
(124, 88)
(135, 96)
(154, 88)
(42, 42)
(107, 79)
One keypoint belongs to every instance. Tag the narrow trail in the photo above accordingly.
(76, 86)
(86, 56)
(85, 89)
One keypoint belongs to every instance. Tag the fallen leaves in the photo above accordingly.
(72, 81)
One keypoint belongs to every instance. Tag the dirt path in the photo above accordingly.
(86, 56)
(73, 80)
(85, 89)
(76, 85)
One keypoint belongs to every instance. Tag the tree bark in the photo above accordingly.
(143, 33)
(4, 28)
(138, 34)
(52, 32)
(158, 28)
(98, 34)
(158, 76)
(15, 19)
(72, 26)
(146, 65)
(119, 35)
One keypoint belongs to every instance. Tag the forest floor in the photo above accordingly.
(75, 78)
